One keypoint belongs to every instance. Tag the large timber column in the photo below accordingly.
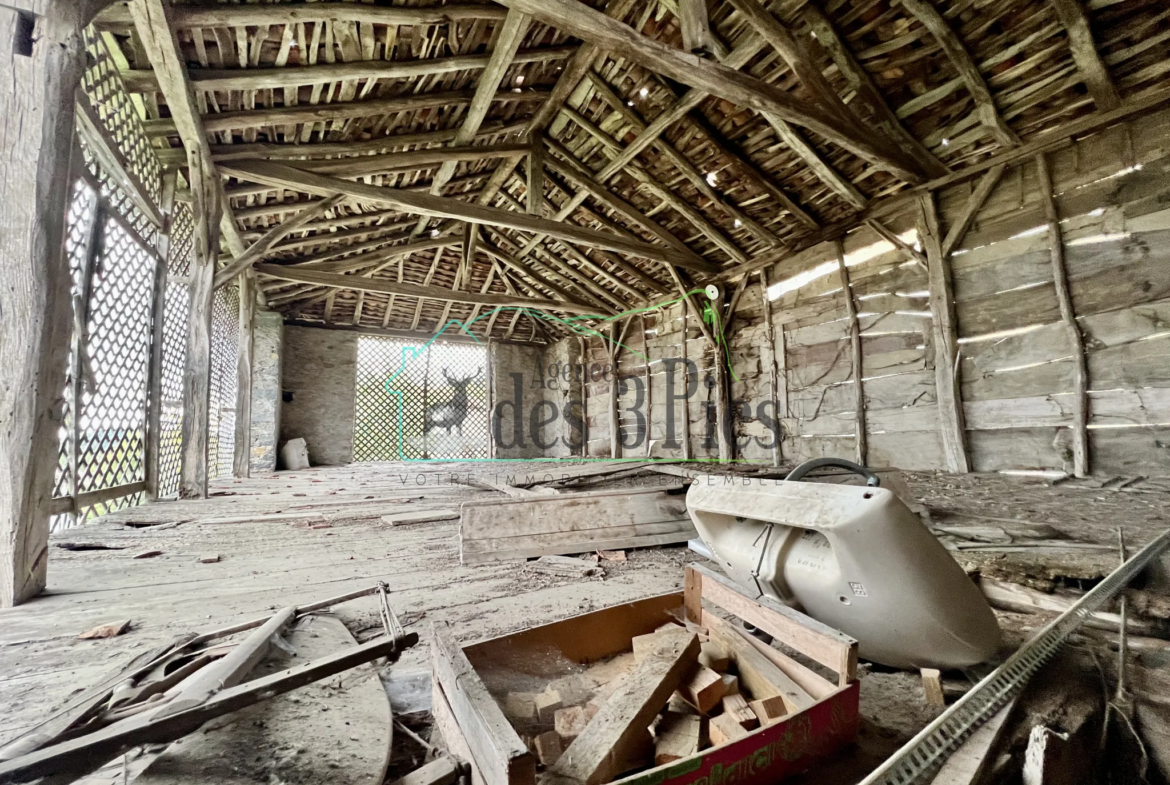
(42, 54)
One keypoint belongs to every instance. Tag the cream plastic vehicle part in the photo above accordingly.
(853, 557)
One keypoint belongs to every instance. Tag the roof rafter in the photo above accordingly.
(578, 19)
(1084, 51)
(213, 79)
(985, 108)
(271, 173)
(507, 43)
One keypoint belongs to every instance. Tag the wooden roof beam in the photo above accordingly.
(738, 57)
(746, 166)
(860, 81)
(578, 19)
(360, 283)
(413, 160)
(270, 173)
(377, 146)
(222, 80)
(187, 16)
(1084, 51)
(507, 43)
(315, 113)
(682, 164)
(564, 163)
(261, 247)
(985, 108)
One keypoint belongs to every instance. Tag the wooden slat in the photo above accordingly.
(363, 284)
(860, 449)
(577, 19)
(272, 173)
(831, 648)
(985, 107)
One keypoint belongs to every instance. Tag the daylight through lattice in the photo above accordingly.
(418, 403)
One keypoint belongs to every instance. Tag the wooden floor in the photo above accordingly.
(296, 537)
(283, 539)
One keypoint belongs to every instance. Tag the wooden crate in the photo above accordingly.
(474, 726)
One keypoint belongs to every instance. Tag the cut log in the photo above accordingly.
(677, 736)
(713, 656)
(769, 710)
(704, 690)
(548, 748)
(932, 688)
(724, 729)
(547, 705)
(736, 706)
(598, 755)
(570, 722)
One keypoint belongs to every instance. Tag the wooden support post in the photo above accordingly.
(158, 326)
(1080, 415)
(535, 185)
(648, 399)
(80, 372)
(777, 387)
(242, 457)
(582, 347)
(615, 441)
(946, 339)
(36, 134)
(197, 390)
(686, 412)
(859, 431)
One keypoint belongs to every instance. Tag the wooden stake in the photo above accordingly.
(861, 450)
(242, 457)
(1080, 416)
(946, 340)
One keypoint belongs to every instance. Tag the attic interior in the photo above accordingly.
(570, 392)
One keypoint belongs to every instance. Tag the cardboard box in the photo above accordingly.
(473, 724)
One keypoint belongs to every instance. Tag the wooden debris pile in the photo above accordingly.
(171, 691)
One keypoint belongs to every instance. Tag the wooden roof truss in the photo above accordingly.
(395, 166)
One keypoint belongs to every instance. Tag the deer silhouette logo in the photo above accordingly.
(452, 413)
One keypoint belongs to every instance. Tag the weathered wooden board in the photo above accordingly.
(350, 742)
(572, 523)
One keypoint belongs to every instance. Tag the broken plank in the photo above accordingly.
(419, 516)
(354, 735)
(599, 753)
(86, 753)
(496, 529)
(829, 647)
(757, 673)
(502, 757)
(441, 771)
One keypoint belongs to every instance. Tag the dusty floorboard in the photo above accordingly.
(296, 537)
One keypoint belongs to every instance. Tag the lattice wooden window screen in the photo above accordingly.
(225, 329)
(408, 404)
(174, 354)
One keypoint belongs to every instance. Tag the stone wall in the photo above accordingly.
(531, 391)
(318, 386)
(267, 340)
